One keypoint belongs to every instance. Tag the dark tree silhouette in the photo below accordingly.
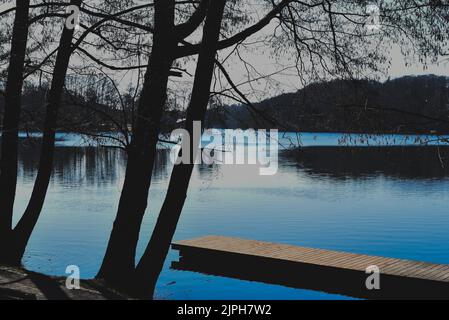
(10, 133)
(118, 264)
(151, 263)
(23, 230)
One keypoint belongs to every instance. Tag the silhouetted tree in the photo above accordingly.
(151, 263)
(10, 129)
(22, 232)
(118, 264)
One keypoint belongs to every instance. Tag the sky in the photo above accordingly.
(399, 68)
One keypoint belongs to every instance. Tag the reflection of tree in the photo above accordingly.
(88, 166)
(361, 162)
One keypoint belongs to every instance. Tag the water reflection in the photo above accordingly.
(92, 166)
(358, 162)
(388, 202)
(98, 166)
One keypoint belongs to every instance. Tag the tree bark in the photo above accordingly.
(119, 262)
(152, 261)
(22, 232)
(10, 131)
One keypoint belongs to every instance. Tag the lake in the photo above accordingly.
(391, 203)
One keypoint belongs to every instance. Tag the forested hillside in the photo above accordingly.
(406, 104)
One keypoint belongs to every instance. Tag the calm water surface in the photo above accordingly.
(401, 213)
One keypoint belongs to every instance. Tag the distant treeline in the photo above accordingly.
(411, 104)
(403, 105)
(88, 105)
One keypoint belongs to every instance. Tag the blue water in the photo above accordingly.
(376, 214)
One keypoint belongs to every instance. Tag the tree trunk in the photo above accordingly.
(119, 262)
(22, 232)
(152, 261)
(10, 131)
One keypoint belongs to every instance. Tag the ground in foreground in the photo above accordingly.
(21, 284)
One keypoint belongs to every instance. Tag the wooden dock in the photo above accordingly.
(309, 268)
